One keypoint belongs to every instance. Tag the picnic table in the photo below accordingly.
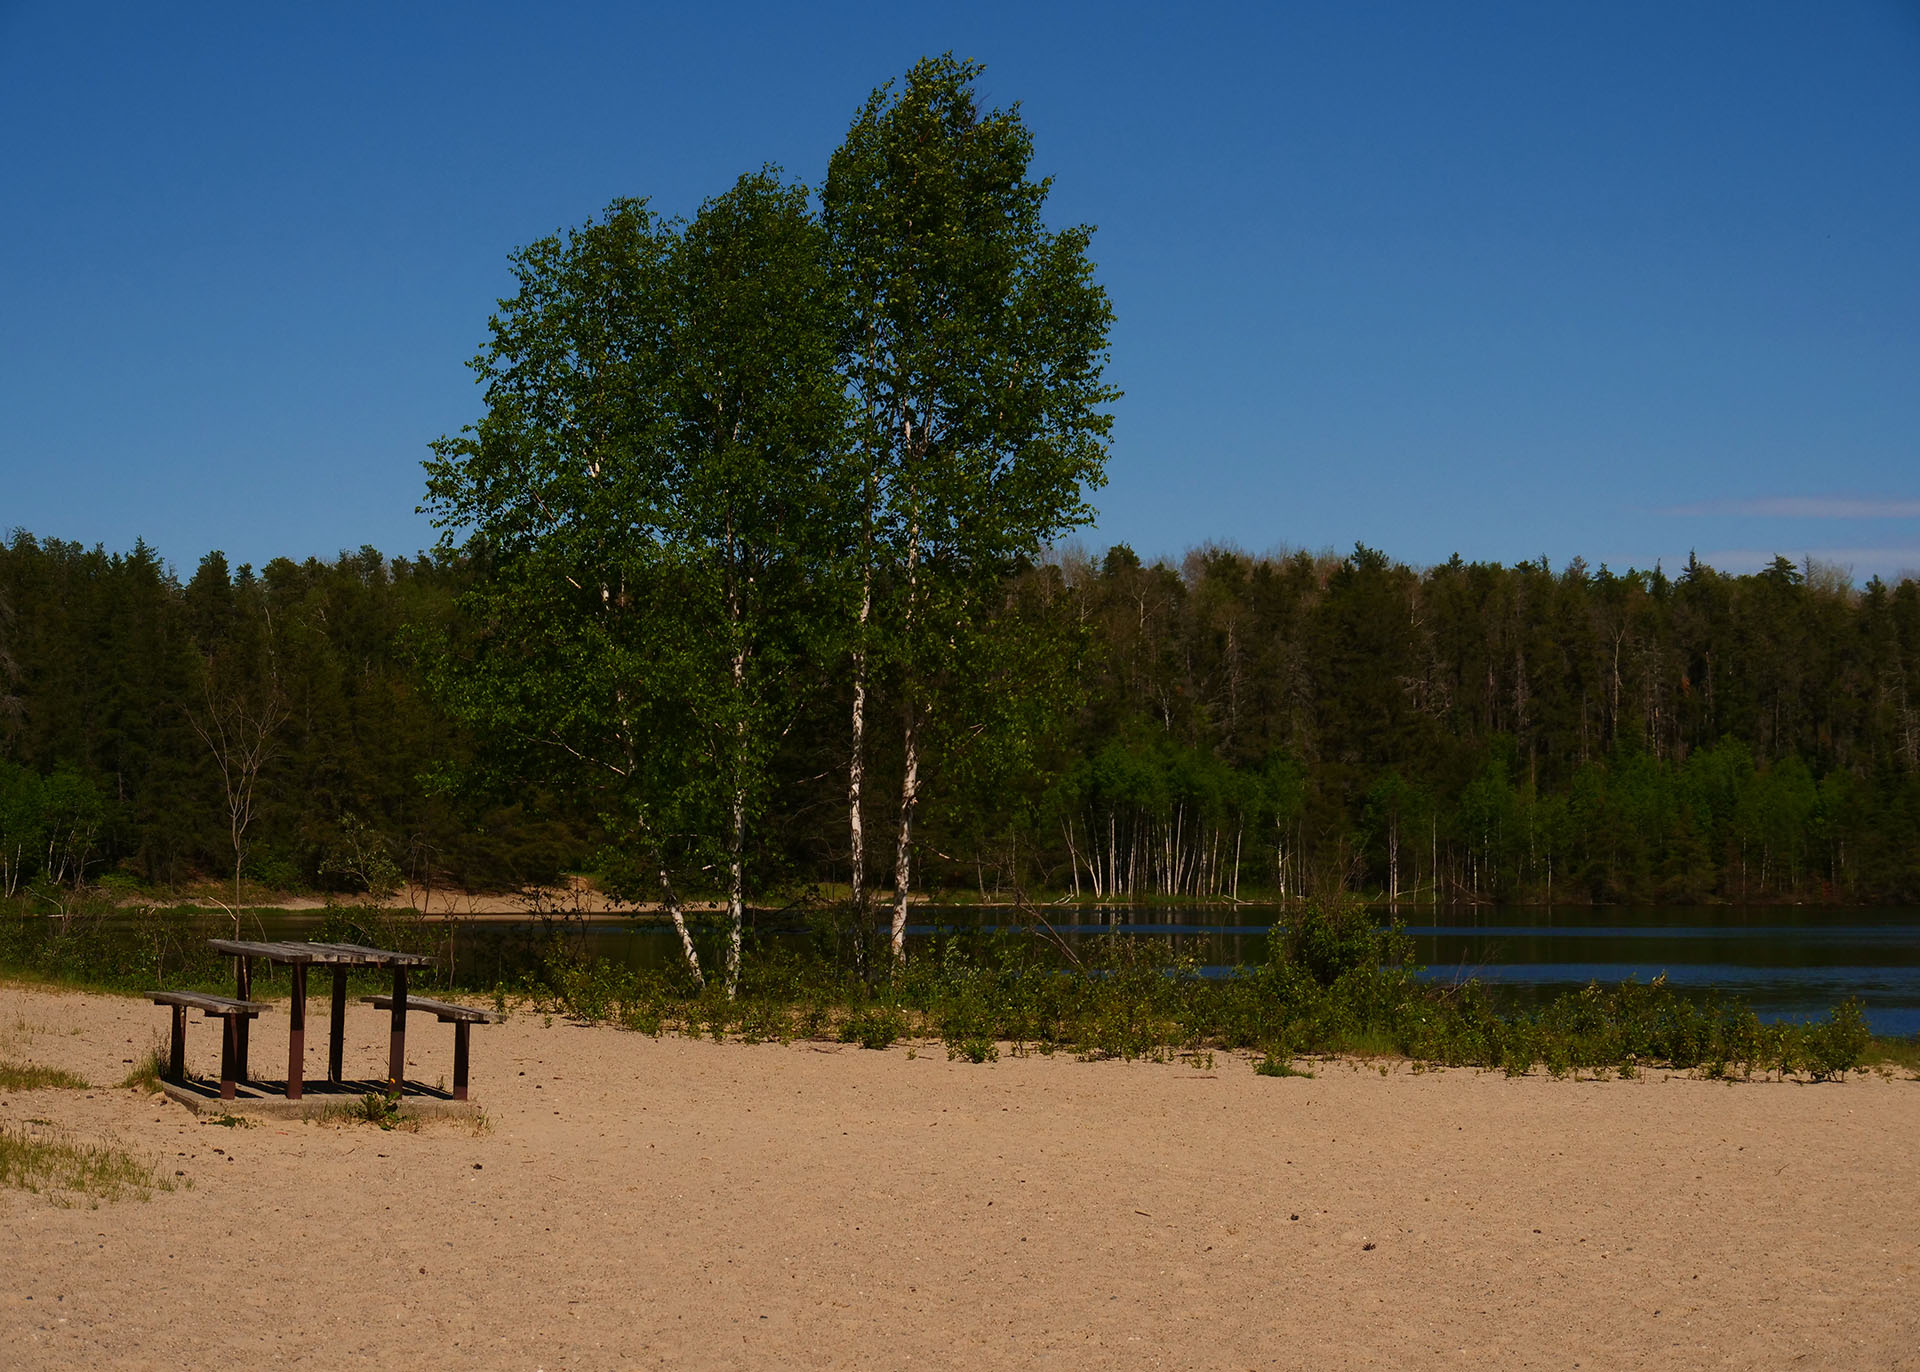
(297, 957)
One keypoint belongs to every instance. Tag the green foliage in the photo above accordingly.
(1278, 1065)
(1839, 1045)
(874, 1026)
(95, 943)
(1334, 981)
(49, 827)
(655, 504)
(973, 344)
(362, 856)
(383, 1112)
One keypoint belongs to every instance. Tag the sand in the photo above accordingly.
(665, 1203)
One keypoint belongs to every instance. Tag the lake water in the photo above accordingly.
(1790, 962)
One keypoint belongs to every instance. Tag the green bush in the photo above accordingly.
(1839, 1045)
(874, 1026)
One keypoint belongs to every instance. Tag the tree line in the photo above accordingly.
(1230, 725)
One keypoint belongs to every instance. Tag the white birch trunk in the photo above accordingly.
(736, 890)
(910, 775)
(737, 836)
(903, 860)
(857, 757)
(677, 913)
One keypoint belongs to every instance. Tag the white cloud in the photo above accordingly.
(1806, 507)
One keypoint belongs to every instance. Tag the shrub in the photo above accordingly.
(875, 1026)
(1837, 1046)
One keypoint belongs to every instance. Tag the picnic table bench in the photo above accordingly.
(236, 1014)
(461, 1017)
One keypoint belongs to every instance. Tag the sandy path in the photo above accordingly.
(643, 1203)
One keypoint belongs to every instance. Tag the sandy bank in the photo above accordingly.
(643, 1203)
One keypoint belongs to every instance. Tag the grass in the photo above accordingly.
(68, 1172)
(1898, 1054)
(149, 1071)
(383, 1112)
(21, 1076)
(1273, 1065)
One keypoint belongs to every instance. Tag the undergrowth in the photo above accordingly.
(1333, 982)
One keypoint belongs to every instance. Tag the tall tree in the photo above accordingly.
(652, 492)
(10, 705)
(974, 345)
(243, 704)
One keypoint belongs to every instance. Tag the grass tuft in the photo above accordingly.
(1279, 1066)
(22, 1076)
(149, 1072)
(65, 1171)
(383, 1112)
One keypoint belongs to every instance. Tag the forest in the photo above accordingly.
(1231, 726)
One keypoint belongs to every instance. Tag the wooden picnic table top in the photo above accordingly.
(333, 954)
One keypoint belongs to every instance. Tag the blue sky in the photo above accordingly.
(1611, 281)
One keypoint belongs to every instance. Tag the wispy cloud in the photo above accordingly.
(1805, 507)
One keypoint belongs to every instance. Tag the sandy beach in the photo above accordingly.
(667, 1203)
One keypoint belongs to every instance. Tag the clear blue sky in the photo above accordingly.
(1615, 281)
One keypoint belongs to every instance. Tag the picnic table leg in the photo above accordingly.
(397, 1050)
(460, 1028)
(242, 990)
(177, 1060)
(297, 1034)
(229, 1053)
(337, 1030)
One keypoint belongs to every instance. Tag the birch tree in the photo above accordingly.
(651, 492)
(238, 720)
(973, 349)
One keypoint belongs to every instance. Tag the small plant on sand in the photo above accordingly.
(66, 1172)
(380, 1110)
(876, 1026)
(21, 1076)
(149, 1071)
(974, 1048)
(1837, 1046)
(1279, 1063)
